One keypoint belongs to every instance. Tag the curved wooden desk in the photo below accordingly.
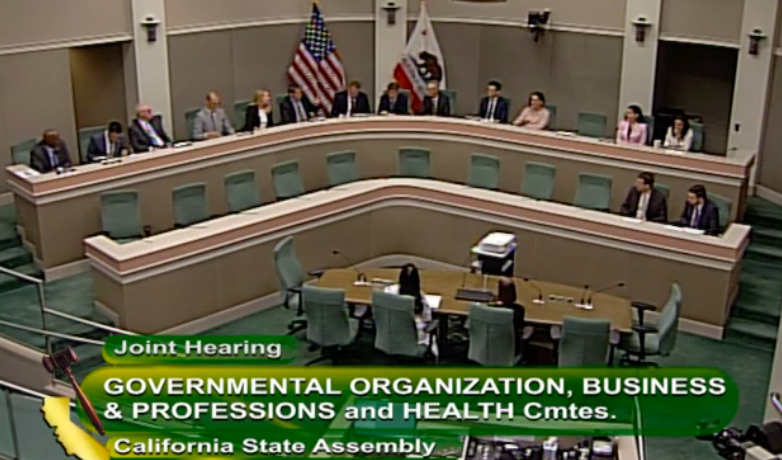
(45, 203)
(184, 275)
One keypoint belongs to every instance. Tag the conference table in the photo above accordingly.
(56, 212)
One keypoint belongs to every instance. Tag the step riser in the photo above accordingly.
(9, 243)
(752, 315)
(760, 257)
(757, 220)
(17, 261)
(749, 340)
(759, 238)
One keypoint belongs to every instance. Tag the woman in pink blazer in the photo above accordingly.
(632, 130)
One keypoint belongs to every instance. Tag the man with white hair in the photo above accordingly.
(146, 131)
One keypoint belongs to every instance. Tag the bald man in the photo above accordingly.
(211, 121)
(50, 154)
(146, 131)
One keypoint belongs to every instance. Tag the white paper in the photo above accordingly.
(434, 301)
(632, 219)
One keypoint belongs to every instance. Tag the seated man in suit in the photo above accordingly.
(644, 202)
(296, 108)
(211, 121)
(50, 154)
(494, 107)
(350, 101)
(700, 213)
(436, 103)
(392, 101)
(146, 131)
(108, 144)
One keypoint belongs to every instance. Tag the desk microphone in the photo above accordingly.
(539, 300)
(470, 269)
(583, 294)
(613, 286)
(359, 276)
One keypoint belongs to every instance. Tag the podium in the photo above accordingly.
(496, 253)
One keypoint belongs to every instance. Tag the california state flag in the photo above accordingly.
(421, 62)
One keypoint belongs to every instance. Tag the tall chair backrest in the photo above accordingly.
(664, 189)
(698, 137)
(414, 162)
(190, 117)
(20, 153)
(492, 339)
(190, 204)
(241, 191)
(120, 214)
(85, 135)
(395, 329)
(484, 171)
(451, 94)
(240, 109)
(327, 316)
(668, 322)
(287, 180)
(290, 273)
(341, 167)
(406, 92)
(594, 192)
(539, 180)
(724, 206)
(592, 124)
(649, 120)
(278, 100)
(584, 342)
(552, 117)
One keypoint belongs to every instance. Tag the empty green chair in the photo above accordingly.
(594, 192)
(592, 124)
(552, 117)
(190, 205)
(492, 338)
(241, 191)
(190, 117)
(451, 94)
(414, 162)
(664, 189)
(724, 206)
(20, 153)
(85, 135)
(121, 215)
(697, 137)
(583, 341)
(240, 109)
(657, 340)
(395, 329)
(539, 180)
(341, 167)
(287, 180)
(649, 120)
(278, 100)
(328, 324)
(290, 275)
(484, 171)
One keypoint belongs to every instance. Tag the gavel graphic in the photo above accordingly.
(63, 360)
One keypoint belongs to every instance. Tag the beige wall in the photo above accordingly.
(98, 84)
(770, 174)
(238, 61)
(718, 20)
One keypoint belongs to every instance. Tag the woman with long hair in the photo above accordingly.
(679, 135)
(259, 114)
(535, 115)
(633, 129)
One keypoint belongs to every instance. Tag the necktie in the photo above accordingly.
(214, 122)
(696, 217)
(299, 111)
(492, 106)
(53, 157)
(352, 105)
(156, 140)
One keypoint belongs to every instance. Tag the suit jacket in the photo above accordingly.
(288, 113)
(709, 220)
(340, 106)
(656, 209)
(40, 161)
(99, 148)
(500, 111)
(443, 106)
(401, 106)
(252, 120)
(207, 121)
(140, 141)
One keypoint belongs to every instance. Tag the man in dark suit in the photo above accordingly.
(700, 213)
(494, 107)
(644, 202)
(146, 131)
(296, 108)
(107, 144)
(436, 103)
(351, 101)
(392, 101)
(50, 154)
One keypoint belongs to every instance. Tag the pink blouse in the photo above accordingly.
(535, 119)
(636, 135)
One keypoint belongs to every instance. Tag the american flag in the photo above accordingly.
(317, 66)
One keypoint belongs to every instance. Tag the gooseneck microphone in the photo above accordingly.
(359, 276)
(613, 286)
(583, 294)
(539, 300)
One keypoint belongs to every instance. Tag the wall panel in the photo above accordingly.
(718, 20)
(770, 171)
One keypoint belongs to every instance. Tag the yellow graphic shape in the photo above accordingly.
(77, 442)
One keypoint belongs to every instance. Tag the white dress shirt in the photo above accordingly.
(491, 109)
(643, 204)
(264, 117)
(672, 142)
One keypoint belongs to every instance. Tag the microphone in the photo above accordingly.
(359, 276)
(583, 294)
(613, 286)
(471, 269)
(539, 300)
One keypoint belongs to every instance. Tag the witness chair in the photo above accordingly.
(341, 168)
(414, 162)
(484, 171)
(584, 342)
(120, 215)
(20, 153)
(241, 191)
(240, 109)
(539, 181)
(396, 333)
(657, 340)
(190, 206)
(328, 324)
(85, 136)
(594, 192)
(592, 124)
(190, 117)
(492, 338)
(287, 180)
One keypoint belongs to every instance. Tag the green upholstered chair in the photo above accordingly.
(395, 329)
(328, 324)
(697, 137)
(414, 162)
(287, 180)
(406, 92)
(492, 338)
(241, 191)
(592, 124)
(278, 100)
(85, 134)
(657, 340)
(539, 181)
(190, 205)
(290, 275)
(484, 171)
(664, 189)
(341, 168)
(240, 108)
(451, 94)
(121, 215)
(20, 152)
(190, 117)
(724, 206)
(552, 117)
(583, 341)
(594, 192)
